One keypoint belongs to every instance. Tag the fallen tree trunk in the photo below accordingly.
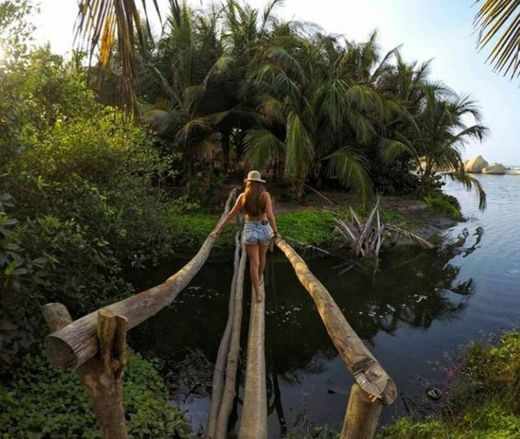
(217, 387)
(253, 418)
(74, 344)
(367, 371)
(229, 393)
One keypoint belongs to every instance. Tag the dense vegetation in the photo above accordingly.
(234, 88)
(40, 411)
(87, 194)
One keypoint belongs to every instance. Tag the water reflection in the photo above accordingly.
(412, 287)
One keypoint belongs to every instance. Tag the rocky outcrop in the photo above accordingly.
(513, 171)
(495, 168)
(475, 165)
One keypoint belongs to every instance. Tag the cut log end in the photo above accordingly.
(390, 393)
(60, 354)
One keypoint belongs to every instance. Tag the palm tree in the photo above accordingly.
(435, 138)
(320, 108)
(498, 21)
(101, 24)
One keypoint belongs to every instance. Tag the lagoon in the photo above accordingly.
(419, 306)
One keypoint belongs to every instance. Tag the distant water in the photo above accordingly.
(419, 306)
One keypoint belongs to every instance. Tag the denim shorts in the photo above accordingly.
(257, 232)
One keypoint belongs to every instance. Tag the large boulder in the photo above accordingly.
(495, 168)
(475, 165)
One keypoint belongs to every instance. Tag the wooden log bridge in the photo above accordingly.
(94, 346)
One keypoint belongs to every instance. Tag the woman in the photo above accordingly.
(259, 228)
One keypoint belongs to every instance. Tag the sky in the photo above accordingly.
(440, 30)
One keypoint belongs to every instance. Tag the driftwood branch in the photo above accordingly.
(367, 371)
(74, 344)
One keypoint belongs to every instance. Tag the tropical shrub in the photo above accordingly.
(444, 204)
(20, 276)
(40, 401)
(83, 204)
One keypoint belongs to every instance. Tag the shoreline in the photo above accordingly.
(310, 223)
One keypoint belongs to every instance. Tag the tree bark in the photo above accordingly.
(253, 420)
(217, 387)
(102, 375)
(229, 392)
(362, 415)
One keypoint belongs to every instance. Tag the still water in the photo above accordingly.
(417, 307)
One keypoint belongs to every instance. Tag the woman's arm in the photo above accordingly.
(270, 214)
(233, 212)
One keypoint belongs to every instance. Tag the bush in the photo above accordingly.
(40, 401)
(79, 182)
(444, 204)
(20, 277)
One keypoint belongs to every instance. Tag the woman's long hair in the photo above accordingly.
(254, 203)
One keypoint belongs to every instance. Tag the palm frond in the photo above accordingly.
(390, 149)
(349, 168)
(469, 183)
(262, 146)
(299, 146)
(100, 24)
(272, 109)
(499, 21)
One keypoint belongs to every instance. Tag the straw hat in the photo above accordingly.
(254, 176)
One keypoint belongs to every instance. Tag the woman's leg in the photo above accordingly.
(253, 255)
(261, 266)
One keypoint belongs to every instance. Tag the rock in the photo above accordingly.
(475, 165)
(434, 393)
(513, 171)
(495, 168)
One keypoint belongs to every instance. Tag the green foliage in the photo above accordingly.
(307, 227)
(444, 204)
(189, 231)
(15, 30)
(82, 203)
(40, 401)
(484, 402)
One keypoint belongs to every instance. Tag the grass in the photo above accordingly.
(484, 402)
(306, 227)
(313, 226)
